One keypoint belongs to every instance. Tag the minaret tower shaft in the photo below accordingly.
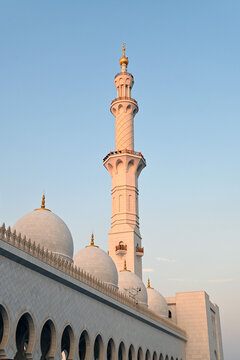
(125, 166)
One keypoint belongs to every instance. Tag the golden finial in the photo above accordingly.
(43, 204)
(124, 59)
(92, 242)
(125, 266)
(148, 285)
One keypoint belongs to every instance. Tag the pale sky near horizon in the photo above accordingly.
(57, 66)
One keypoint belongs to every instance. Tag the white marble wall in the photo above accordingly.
(23, 289)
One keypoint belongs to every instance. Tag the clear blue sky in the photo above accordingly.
(57, 65)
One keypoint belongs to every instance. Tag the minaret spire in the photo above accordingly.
(124, 60)
(125, 166)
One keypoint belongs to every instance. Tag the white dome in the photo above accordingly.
(130, 283)
(98, 263)
(156, 302)
(48, 230)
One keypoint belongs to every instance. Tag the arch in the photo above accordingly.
(131, 353)
(120, 107)
(67, 343)
(111, 350)
(25, 336)
(172, 358)
(161, 357)
(48, 340)
(4, 327)
(119, 165)
(110, 168)
(169, 314)
(166, 358)
(154, 355)
(147, 356)
(84, 346)
(98, 348)
(130, 165)
(140, 354)
(121, 351)
(215, 354)
(129, 108)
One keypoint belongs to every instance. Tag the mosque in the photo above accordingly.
(94, 305)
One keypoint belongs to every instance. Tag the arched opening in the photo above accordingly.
(147, 356)
(131, 353)
(110, 350)
(84, 346)
(216, 356)
(24, 336)
(140, 354)
(166, 358)
(48, 340)
(154, 355)
(169, 314)
(161, 357)
(4, 326)
(67, 343)
(98, 348)
(121, 352)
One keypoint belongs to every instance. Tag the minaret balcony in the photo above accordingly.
(121, 249)
(139, 251)
(125, 151)
(127, 98)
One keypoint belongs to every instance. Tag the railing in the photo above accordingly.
(124, 98)
(69, 268)
(139, 249)
(125, 151)
(121, 247)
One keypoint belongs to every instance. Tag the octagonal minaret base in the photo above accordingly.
(125, 242)
(125, 166)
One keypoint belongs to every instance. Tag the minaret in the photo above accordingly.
(125, 166)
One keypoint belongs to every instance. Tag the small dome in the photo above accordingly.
(156, 302)
(48, 230)
(98, 263)
(132, 285)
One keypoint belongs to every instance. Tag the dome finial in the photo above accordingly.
(125, 266)
(124, 60)
(43, 202)
(148, 285)
(92, 242)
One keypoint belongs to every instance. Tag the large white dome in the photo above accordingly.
(132, 285)
(98, 263)
(156, 302)
(47, 229)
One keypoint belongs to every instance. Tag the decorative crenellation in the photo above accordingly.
(56, 261)
(124, 151)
